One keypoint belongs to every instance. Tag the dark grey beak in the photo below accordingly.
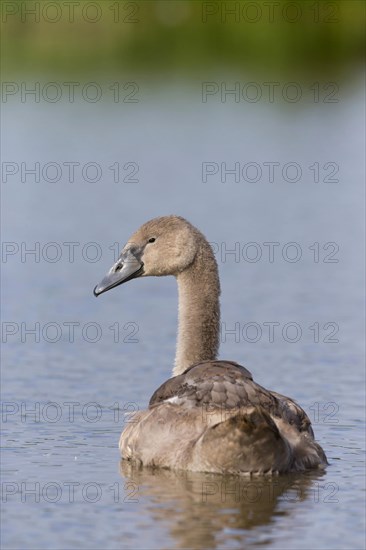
(126, 268)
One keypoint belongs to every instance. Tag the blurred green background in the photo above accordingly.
(172, 36)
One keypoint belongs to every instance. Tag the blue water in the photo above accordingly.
(66, 394)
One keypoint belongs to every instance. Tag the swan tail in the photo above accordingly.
(246, 443)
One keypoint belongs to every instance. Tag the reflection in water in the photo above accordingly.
(199, 509)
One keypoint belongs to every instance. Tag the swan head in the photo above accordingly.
(162, 246)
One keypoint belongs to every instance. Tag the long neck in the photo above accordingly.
(199, 311)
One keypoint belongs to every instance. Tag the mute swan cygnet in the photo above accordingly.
(210, 416)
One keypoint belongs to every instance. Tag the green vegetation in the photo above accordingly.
(276, 38)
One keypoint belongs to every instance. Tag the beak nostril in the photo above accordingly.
(123, 270)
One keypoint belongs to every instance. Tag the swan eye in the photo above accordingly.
(152, 240)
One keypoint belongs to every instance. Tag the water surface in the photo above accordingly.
(63, 484)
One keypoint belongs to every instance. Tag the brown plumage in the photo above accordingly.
(210, 416)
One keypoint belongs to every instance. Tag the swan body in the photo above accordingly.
(210, 416)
